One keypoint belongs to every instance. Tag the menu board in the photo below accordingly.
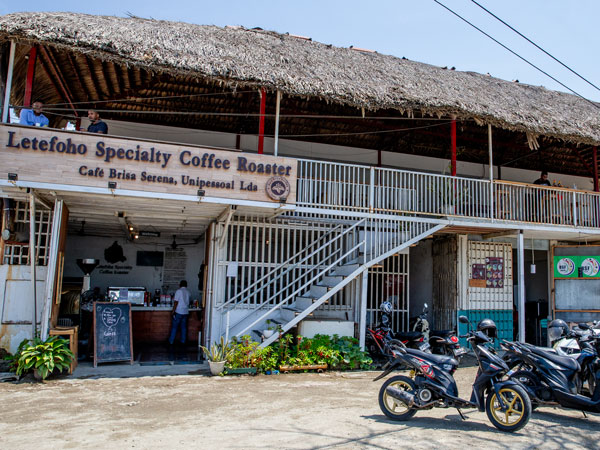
(112, 332)
(494, 272)
(174, 268)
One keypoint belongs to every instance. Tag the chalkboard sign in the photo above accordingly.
(112, 332)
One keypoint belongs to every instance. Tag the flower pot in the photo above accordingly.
(317, 367)
(216, 367)
(268, 333)
(241, 371)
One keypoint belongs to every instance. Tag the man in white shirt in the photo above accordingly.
(180, 312)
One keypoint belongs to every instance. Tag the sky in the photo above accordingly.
(420, 30)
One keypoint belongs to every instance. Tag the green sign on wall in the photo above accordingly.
(577, 267)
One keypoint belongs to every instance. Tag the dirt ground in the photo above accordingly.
(299, 411)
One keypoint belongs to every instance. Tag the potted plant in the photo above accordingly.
(43, 357)
(270, 330)
(244, 357)
(217, 356)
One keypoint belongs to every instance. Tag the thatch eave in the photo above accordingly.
(234, 56)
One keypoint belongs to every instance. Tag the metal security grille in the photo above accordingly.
(17, 253)
(255, 246)
(389, 281)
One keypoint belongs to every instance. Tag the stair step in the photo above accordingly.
(345, 270)
(331, 280)
(303, 302)
(316, 290)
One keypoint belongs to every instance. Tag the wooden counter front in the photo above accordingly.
(154, 325)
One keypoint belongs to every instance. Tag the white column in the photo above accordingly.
(9, 77)
(362, 324)
(277, 105)
(491, 156)
(521, 280)
(53, 268)
(32, 262)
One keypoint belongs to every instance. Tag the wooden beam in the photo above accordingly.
(75, 70)
(61, 84)
(99, 94)
(30, 75)
(261, 122)
(595, 173)
(453, 146)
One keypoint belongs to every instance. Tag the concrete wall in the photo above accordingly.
(149, 277)
(16, 303)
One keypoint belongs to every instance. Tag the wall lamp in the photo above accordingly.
(112, 184)
(201, 193)
(13, 176)
(283, 200)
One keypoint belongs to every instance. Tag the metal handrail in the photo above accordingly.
(314, 252)
(277, 268)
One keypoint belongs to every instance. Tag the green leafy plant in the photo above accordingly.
(218, 351)
(244, 353)
(43, 356)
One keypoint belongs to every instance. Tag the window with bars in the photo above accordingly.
(16, 252)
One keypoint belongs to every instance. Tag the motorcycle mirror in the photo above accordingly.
(463, 319)
(583, 326)
(425, 307)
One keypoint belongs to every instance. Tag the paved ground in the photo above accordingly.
(331, 410)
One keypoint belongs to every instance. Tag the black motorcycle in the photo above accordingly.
(556, 380)
(441, 342)
(431, 384)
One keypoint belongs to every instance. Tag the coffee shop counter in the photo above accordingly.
(152, 324)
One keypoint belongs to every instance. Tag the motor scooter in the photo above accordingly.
(431, 385)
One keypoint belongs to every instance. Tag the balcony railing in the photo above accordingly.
(390, 191)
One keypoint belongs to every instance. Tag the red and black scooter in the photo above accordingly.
(431, 384)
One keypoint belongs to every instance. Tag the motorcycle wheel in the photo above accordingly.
(394, 408)
(516, 415)
(528, 379)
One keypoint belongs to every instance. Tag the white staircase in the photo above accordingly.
(343, 254)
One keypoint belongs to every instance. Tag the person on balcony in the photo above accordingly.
(33, 116)
(543, 179)
(96, 123)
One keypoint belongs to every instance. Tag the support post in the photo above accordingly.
(521, 279)
(453, 146)
(32, 262)
(30, 75)
(9, 77)
(595, 156)
(261, 123)
(491, 156)
(277, 107)
(362, 324)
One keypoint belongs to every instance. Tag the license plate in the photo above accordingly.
(460, 351)
(424, 346)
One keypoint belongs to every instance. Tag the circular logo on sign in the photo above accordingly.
(565, 266)
(590, 267)
(278, 188)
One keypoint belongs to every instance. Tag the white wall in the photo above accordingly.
(149, 277)
(332, 152)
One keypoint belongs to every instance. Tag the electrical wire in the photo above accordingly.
(516, 54)
(537, 46)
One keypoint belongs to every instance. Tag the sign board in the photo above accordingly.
(112, 332)
(61, 157)
(577, 266)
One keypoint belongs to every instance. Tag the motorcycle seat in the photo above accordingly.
(564, 361)
(408, 335)
(436, 359)
(441, 333)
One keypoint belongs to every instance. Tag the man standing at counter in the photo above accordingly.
(180, 312)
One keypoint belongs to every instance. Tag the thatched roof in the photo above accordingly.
(301, 67)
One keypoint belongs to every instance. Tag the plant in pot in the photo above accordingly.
(43, 357)
(270, 330)
(217, 356)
